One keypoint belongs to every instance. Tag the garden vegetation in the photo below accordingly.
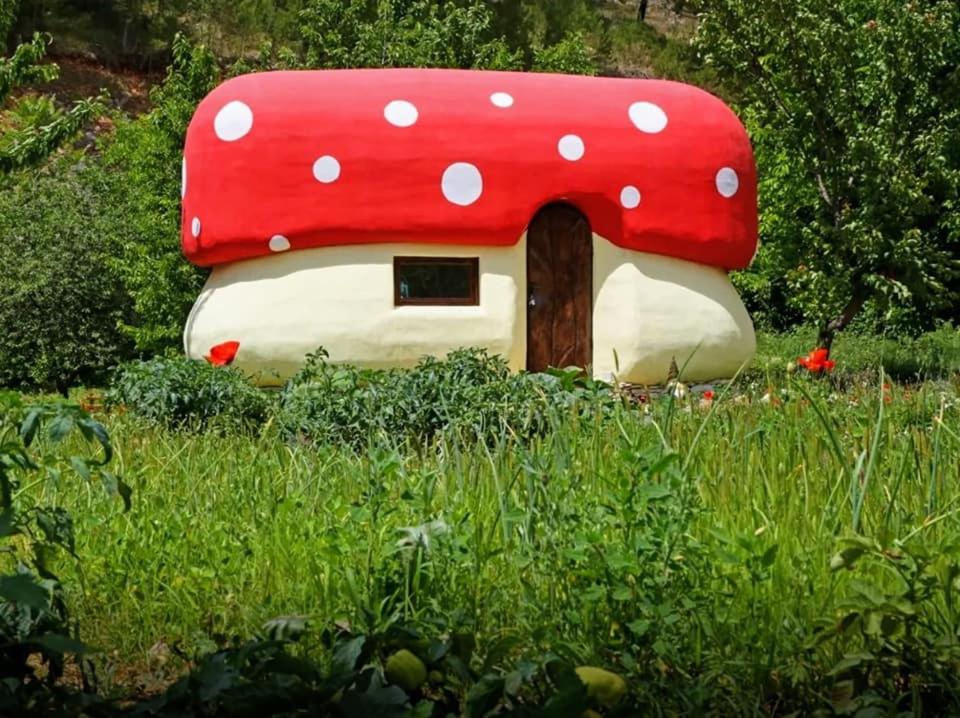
(454, 539)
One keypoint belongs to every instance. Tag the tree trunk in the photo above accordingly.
(829, 332)
(642, 11)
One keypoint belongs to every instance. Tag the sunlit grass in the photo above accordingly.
(553, 541)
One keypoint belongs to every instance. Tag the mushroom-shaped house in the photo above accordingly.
(390, 214)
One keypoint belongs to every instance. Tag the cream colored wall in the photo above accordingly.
(648, 309)
(281, 307)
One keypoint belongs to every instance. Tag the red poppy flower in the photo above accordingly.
(708, 395)
(223, 354)
(817, 361)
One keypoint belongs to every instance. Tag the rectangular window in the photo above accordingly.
(436, 281)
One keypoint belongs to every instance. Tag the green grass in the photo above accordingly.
(687, 546)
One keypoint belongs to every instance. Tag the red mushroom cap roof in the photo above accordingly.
(289, 160)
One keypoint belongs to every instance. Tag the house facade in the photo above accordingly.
(390, 214)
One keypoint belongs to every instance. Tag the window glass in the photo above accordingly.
(436, 280)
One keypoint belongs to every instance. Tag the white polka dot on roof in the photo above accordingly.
(648, 117)
(279, 243)
(183, 179)
(326, 169)
(502, 100)
(195, 227)
(728, 182)
(401, 113)
(630, 197)
(462, 184)
(571, 148)
(233, 121)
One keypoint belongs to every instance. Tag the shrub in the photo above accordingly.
(469, 393)
(182, 393)
(36, 625)
(143, 161)
(60, 301)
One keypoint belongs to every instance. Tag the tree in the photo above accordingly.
(854, 108)
(28, 143)
(402, 33)
(143, 161)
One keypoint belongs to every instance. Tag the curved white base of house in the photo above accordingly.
(648, 309)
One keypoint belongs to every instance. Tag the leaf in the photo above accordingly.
(214, 677)
(60, 427)
(57, 643)
(80, 465)
(498, 651)
(57, 526)
(869, 592)
(846, 558)
(850, 661)
(346, 654)
(115, 486)
(639, 627)
(30, 425)
(841, 696)
(653, 492)
(22, 589)
(571, 700)
(423, 709)
(484, 695)
(90, 426)
(769, 556)
(8, 523)
(285, 628)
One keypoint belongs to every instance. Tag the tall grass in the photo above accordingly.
(693, 547)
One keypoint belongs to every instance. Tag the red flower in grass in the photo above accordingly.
(708, 395)
(223, 354)
(817, 361)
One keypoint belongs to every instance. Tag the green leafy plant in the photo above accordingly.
(37, 632)
(852, 107)
(60, 300)
(900, 617)
(469, 393)
(183, 393)
(28, 143)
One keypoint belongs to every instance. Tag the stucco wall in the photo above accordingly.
(647, 309)
(280, 308)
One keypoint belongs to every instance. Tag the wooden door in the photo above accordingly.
(559, 289)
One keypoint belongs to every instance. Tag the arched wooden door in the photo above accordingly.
(559, 289)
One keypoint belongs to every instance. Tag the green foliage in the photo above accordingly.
(900, 612)
(23, 68)
(468, 394)
(266, 675)
(33, 142)
(401, 33)
(853, 112)
(930, 356)
(143, 160)
(35, 624)
(690, 548)
(60, 300)
(570, 55)
(531, 27)
(182, 393)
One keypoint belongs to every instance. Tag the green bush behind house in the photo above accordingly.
(61, 302)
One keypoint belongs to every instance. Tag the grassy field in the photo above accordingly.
(792, 544)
